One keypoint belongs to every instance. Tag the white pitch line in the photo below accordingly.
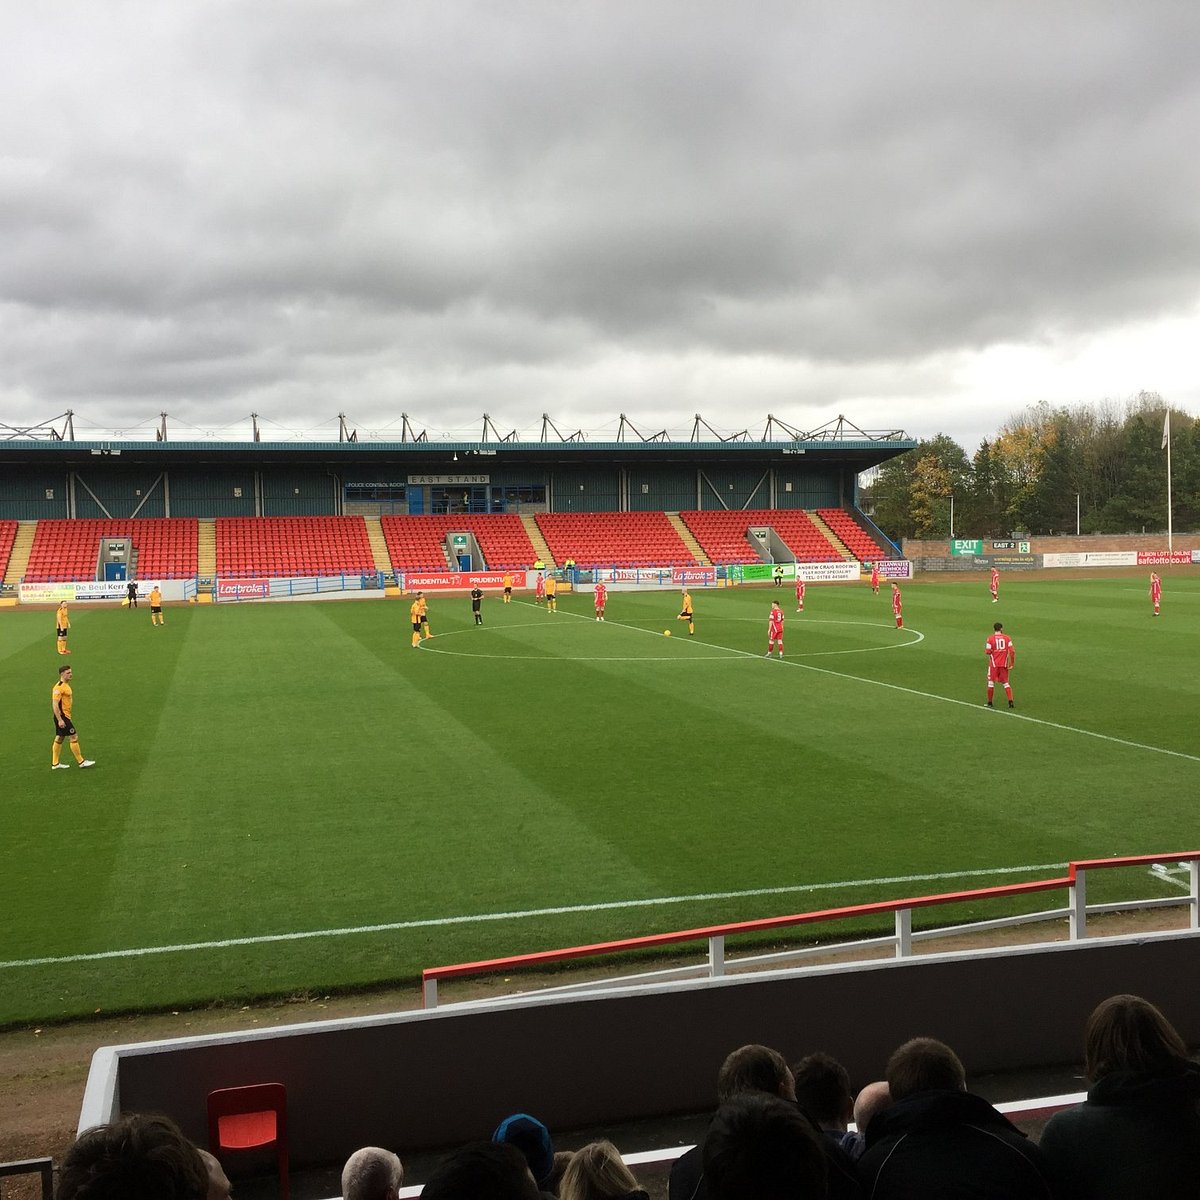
(730, 652)
(1013, 715)
(896, 687)
(521, 915)
(1180, 877)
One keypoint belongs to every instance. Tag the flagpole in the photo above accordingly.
(1167, 443)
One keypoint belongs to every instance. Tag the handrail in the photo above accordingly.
(1077, 910)
(43, 1167)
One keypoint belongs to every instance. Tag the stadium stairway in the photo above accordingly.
(206, 548)
(689, 539)
(833, 539)
(540, 545)
(18, 559)
(379, 550)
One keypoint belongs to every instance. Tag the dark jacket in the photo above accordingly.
(950, 1146)
(687, 1173)
(1137, 1135)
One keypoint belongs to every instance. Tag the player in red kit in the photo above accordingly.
(995, 586)
(601, 595)
(539, 589)
(875, 578)
(774, 629)
(1155, 591)
(897, 606)
(799, 594)
(1001, 656)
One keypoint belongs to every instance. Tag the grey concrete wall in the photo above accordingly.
(420, 1080)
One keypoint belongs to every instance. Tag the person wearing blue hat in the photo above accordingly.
(533, 1140)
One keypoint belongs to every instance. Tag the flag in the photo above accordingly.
(1166, 431)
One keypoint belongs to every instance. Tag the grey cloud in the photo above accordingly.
(506, 206)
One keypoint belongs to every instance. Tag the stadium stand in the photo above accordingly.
(292, 546)
(418, 543)
(645, 539)
(62, 550)
(723, 533)
(8, 535)
(864, 547)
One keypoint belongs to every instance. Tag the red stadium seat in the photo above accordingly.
(250, 1118)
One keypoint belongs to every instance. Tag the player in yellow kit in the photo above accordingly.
(551, 594)
(508, 586)
(62, 624)
(156, 617)
(61, 701)
(418, 611)
(686, 614)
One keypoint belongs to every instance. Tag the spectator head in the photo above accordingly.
(219, 1187)
(823, 1091)
(372, 1174)
(870, 1102)
(759, 1147)
(924, 1065)
(492, 1169)
(1127, 1033)
(597, 1173)
(754, 1069)
(135, 1158)
(532, 1138)
(562, 1160)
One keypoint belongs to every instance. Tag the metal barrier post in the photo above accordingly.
(1194, 898)
(33, 1166)
(429, 993)
(1077, 902)
(716, 957)
(904, 933)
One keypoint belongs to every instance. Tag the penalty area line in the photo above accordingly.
(520, 915)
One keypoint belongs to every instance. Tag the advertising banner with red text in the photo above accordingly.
(441, 581)
(705, 575)
(243, 589)
(1157, 557)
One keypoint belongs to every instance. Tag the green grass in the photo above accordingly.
(267, 770)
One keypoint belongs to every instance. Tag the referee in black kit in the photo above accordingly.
(476, 601)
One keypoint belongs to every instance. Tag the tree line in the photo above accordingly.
(1101, 464)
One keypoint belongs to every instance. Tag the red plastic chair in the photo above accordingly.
(250, 1118)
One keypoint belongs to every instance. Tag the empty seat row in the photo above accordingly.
(418, 542)
(864, 547)
(614, 539)
(278, 546)
(724, 534)
(8, 535)
(64, 549)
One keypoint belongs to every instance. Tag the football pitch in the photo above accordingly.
(289, 798)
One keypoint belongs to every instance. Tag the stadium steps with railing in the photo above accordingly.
(206, 548)
(689, 539)
(18, 558)
(833, 539)
(540, 545)
(379, 549)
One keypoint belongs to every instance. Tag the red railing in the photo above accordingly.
(1077, 910)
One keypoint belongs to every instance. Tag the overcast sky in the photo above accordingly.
(922, 215)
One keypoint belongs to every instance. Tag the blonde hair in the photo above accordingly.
(596, 1173)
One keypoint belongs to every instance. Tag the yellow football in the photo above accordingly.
(666, 633)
